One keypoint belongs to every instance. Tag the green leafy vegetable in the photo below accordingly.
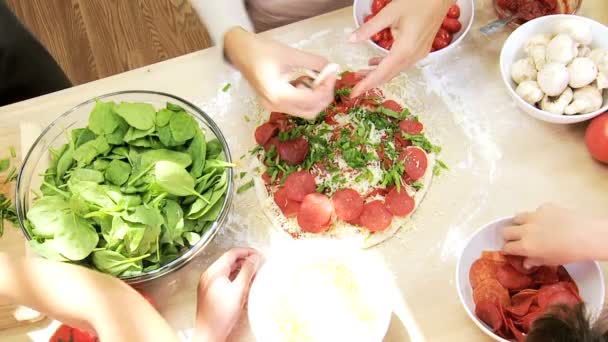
(115, 197)
(245, 187)
(226, 87)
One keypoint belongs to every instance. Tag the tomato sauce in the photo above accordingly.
(530, 9)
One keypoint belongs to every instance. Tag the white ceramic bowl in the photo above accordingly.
(361, 8)
(286, 278)
(513, 49)
(587, 274)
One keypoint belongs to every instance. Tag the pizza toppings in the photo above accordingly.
(299, 184)
(355, 153)
(293, 151)
(348, 204)
(415, 162)
(509, 300)
(375, 216)
(399, 203)
(288, 207)
(315, 213)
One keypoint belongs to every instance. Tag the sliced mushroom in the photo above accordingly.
(562, 49)
(582, 72)
(578, 30)
(553, 79)
(557, 104)
(530, 92)
(586, 100)
(523, 70)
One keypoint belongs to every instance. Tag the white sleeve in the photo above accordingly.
(221, 15)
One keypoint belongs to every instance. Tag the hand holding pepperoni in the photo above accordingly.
(222, 293)
(414, 24)
(552, 236)
(266, 65)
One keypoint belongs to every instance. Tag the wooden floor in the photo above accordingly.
(92, 39)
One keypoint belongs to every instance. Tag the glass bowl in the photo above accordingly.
(563, 7)
(36, 162)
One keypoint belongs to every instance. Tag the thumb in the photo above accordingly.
(532, 262)
(248, 269)
(379, 22)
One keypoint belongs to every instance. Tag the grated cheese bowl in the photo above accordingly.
(36, 161)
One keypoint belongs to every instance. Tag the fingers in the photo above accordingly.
(379, 22)
(514, 248)
(301, 59)
(389, 67)
(248, 270)
(512, 233)
(375, 61)
(523, 218)
(223, 265)
(304, 102)
(533, 262)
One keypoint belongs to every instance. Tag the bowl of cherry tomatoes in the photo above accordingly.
(455, 25)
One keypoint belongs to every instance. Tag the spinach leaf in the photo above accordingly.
(90, 150)
(117, 172)
(182, 126)
(163, 116)
(152, 156)
(134, 134)
(117, 264)
(174, 107)
(75, 238)
(192, 238)
(81, 136)
(88, 175)
(197, 151)
(117, 137)
(64, 163)
(45, 215)
(174, 179)
(47, 249)
(214, 148)
(102, 119)
(137, 115)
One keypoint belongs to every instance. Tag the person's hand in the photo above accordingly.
(222, 293)
(414, 24)
(552, 235)
(267, 66)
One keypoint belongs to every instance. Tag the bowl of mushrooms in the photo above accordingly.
(556, 68)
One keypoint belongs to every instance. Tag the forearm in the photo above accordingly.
(220, 16)
(596, 233)
(82, 298)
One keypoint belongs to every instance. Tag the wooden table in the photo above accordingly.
(502, 161)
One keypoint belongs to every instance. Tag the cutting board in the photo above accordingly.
(12, 242)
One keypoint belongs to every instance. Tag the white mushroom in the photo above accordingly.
(584, 51)
(582, 72)
(578, 30)
(523, 70)
(530, 92)
(537, 39)
(562, 49)
(538, 53)
(600, 57)
(556, 104)
(586, 100)
(602, 81)
(553, 79)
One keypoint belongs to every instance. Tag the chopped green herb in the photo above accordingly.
(13, 152)
(439, 165)
(226, 87)
(12, 175)
(4, 164)
(245, 187)
(246, 118)
(242, 174)
(417, 185)
(343, 91)
(421, 141)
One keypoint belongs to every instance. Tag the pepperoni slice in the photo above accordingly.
(415, 162)
(348, 204)
(411, 127)
(375, 216)
(401, 142)
(293, 151)
(274, 141)
(497, 256)
(545, 275)
(522, 301)
(563, 275)
(350, 79)
(264, 132)
(266, 178)
(376, 192)
(315, 213)
(489, 313)
(560, 293)
(511, 279)
(492, 290)
(481, 270)
(392, 105)
(399, 203)
(519, 336)
(518, 264)
(276, 116)
(299, 184)
(288, 207)
(527, 321)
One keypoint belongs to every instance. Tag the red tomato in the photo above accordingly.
(439, 44)
(596, 138)
(454, 11)
(377, 5)
(452, 25)
(368, 17)
(66, 333)
(444, 34)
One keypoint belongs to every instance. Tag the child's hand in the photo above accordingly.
(267, 65)
(222, 293)
(554, 236)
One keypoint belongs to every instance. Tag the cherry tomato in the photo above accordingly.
(452, 25)
(439, 43)
(445, 35)
(368, 17)
(454, 11)
(377, 5)
(386, 44)
(66, 333)
(596, 138)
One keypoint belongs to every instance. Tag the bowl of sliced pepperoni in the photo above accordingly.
(455, 25)
(504, 299)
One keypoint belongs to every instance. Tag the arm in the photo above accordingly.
(221, 15)
(82, 298)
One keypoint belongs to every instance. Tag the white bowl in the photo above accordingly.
(587, 274)
(361, 8)
(290, 266)
(513, 49)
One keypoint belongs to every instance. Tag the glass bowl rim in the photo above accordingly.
(209, 234)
